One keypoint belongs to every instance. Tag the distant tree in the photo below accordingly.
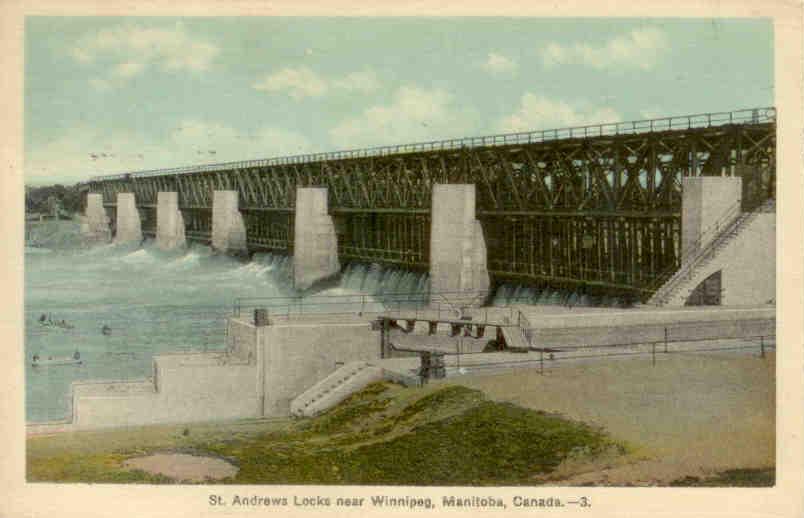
(43, 199)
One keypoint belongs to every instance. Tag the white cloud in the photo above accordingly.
(86, 151)
(498, 64)
(301, 82)
(537, 112)
(414, 114)
(364, 81)
(131, 49)
(640, 48)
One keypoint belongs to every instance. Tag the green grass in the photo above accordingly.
(385, 434)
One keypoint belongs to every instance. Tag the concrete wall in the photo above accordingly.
(705, 200)
(129, 227)
(228, 228)
(315, 245)
(95, 223)
(295, 357)
(644, 326)
(186, 388)
(169, 221)
(457, 244)
(241, 339)
(747, 264)
(262, 370)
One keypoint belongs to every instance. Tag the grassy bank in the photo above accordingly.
(385, 434)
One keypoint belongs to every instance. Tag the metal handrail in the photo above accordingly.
(285, 305)
(710, 233)
(694, 257)
(702, 120)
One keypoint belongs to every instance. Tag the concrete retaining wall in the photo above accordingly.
(747, 264)
(645, 326)
(241, 339)
(295, 357)
(185, 388)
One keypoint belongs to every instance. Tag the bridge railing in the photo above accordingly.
(702, 120)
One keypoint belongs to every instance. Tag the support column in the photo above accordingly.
(315, 245)
(228, 228)
(129, 228)
(457, 247)
(706, 203)
(169, 221)
(95, 223)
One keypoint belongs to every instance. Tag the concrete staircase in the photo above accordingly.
(684, 281)
(515, 338)
(336, 387)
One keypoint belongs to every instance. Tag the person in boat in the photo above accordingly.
(76, 355)
(106, 330)
(43, 318)
(36, 357)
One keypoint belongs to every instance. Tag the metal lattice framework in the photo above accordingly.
(595, 205)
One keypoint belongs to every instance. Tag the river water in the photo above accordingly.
(155, 301)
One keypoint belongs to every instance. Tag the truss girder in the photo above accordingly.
(602, 210)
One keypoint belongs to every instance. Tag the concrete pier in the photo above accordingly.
(169, 221)
(705, 201)
(228, 228)
(129, 227)
(315, 245)
(457, 245)
(95, 224)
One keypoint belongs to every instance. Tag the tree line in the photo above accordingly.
(42, 199)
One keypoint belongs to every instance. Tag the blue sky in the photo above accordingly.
(111, 94)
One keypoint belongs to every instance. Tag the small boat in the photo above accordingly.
(49, 322)
(75, 359)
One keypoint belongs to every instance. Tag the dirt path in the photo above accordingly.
(691, 414)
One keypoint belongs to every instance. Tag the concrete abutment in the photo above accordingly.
(728, 256)
(706, 201)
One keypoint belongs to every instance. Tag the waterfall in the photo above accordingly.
(508, 294)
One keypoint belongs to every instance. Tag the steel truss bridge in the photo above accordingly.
(596, 207)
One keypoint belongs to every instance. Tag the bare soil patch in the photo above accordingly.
(183, 467)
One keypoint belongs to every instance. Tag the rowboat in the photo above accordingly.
(75, 359)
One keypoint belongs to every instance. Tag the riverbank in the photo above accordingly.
(690, 420)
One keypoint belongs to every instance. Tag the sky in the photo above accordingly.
(118, 94)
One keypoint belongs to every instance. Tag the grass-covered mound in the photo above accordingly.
(385, 434)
